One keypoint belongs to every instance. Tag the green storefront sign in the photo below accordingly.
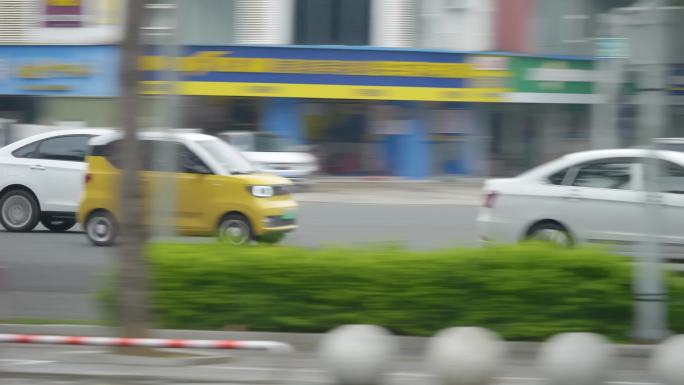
(541, 80)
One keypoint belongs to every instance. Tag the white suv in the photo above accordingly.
(41, 179)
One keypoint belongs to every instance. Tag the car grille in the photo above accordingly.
(278, 222)
(284, 190)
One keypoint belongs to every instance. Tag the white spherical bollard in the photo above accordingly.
(667, 363)
(465, 355)
(575, 359)
(358, 354)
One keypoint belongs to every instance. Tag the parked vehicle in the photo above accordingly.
(274, 155)
(594, 196)
(218, 191)
(41, 179)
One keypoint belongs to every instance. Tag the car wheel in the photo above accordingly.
(551, 232)
(101, 228)
(19, 211)
(235, 230)
(270, 238)
(58, 226)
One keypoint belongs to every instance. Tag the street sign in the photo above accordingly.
(611, 48)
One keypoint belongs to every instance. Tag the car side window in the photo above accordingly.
(558, 177)
(112, 151)
(26, 151)
(608, 174)
(186, 160)
(68, 148)
(672, 180)
(189, 162)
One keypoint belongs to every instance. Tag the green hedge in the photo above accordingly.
(522, 292)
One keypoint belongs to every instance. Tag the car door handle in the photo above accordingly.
(38, 167)
(574, 196)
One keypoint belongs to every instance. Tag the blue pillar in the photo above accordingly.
(413, 155)
(282, 117)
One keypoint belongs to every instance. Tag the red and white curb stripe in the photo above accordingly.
(271, 346)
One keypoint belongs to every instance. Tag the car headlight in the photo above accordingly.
(262, 191)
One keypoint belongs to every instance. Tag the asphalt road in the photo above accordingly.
(55, 276)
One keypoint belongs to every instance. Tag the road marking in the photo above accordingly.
(17, 362)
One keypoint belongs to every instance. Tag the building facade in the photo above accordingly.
(59, 60)
(407, 88)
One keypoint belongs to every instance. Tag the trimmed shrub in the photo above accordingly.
(528, 291)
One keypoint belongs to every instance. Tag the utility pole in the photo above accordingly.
(647, 29)
(133, 278)
(161, 35)
(610, 68)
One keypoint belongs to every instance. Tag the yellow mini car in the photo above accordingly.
(218, 191)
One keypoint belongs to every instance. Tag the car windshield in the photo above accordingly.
(272, 143)
(230, 159)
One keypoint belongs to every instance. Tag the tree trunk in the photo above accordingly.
(134, 274)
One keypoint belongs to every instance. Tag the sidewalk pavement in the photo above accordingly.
(47, 365)
(301, 342)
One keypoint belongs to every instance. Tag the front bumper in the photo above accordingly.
(277, 219)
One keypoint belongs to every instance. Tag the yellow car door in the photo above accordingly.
(173, 190)
(193, 186)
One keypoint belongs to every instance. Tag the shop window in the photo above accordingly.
(215, 114)
(578, 123)
(344, 22)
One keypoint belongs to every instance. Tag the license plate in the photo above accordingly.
(289, 215)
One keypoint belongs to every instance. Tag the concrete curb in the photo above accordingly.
(301, 342)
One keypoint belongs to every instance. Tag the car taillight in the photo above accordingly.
(88, 177)
(489, 198)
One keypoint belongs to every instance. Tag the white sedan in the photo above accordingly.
(586, 197)
(41, 179)
(274, 154)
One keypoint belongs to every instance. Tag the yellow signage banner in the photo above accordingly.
(325, 91)
(204, 62)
